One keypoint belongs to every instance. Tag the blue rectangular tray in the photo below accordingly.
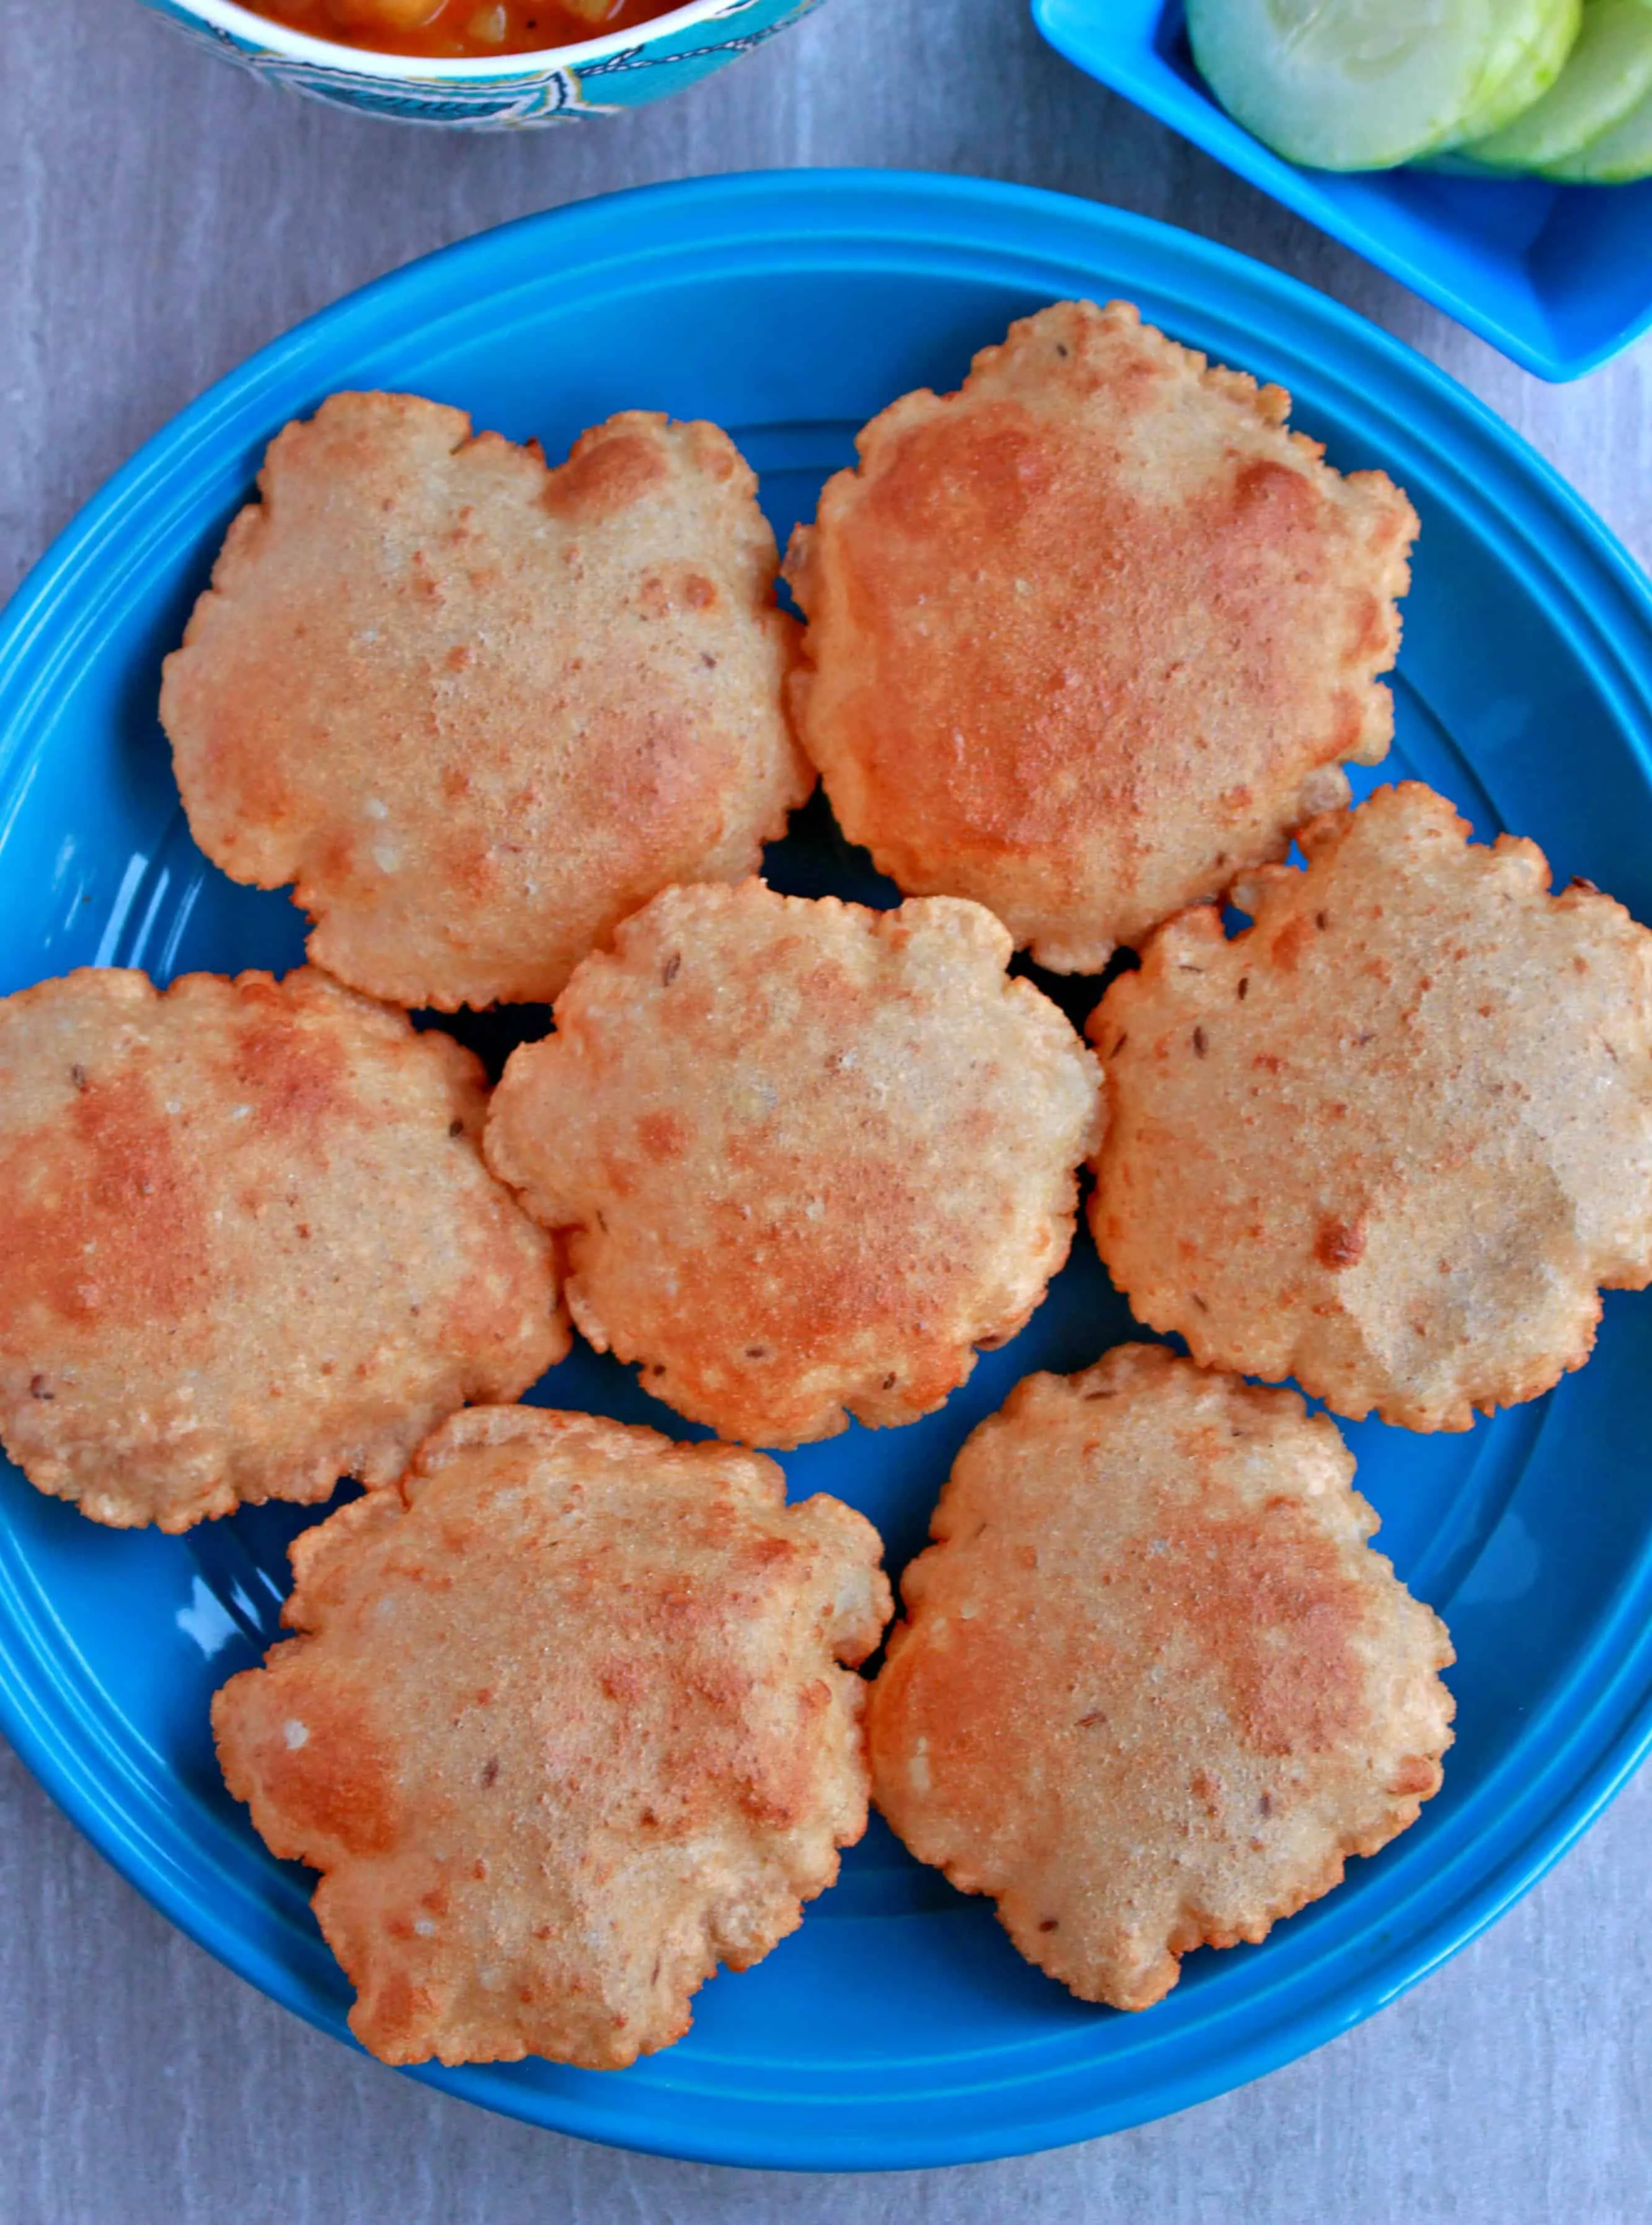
(1557, 278)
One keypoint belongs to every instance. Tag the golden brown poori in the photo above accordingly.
(1094, 633)
(803, 1158)
(249, 1243)
(565, 1726)
(1395, 1138)
(1153, 1686)
(478, 710)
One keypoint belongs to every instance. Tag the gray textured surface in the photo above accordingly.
(162, 217)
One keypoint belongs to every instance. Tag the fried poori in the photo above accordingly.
(478, 710)
(1153, 1687)
(1393, 1139)
(564, 1728)
(249, 1243)
(803, 1157)
(1093, 633)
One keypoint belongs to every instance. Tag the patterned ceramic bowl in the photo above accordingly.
(598, 76)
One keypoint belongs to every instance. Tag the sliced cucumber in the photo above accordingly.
(1617, 157)
(1607, 73)
(1349, 85)
(1529, 59)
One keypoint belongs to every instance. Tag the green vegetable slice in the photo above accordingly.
(1607, 75)
(1350, 85)
(1529, 59)
(1617, 157)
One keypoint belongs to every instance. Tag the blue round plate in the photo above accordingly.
(898, 2026)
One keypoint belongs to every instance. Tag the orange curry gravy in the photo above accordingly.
(464, 29)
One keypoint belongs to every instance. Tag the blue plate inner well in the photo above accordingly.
(898, 2026)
